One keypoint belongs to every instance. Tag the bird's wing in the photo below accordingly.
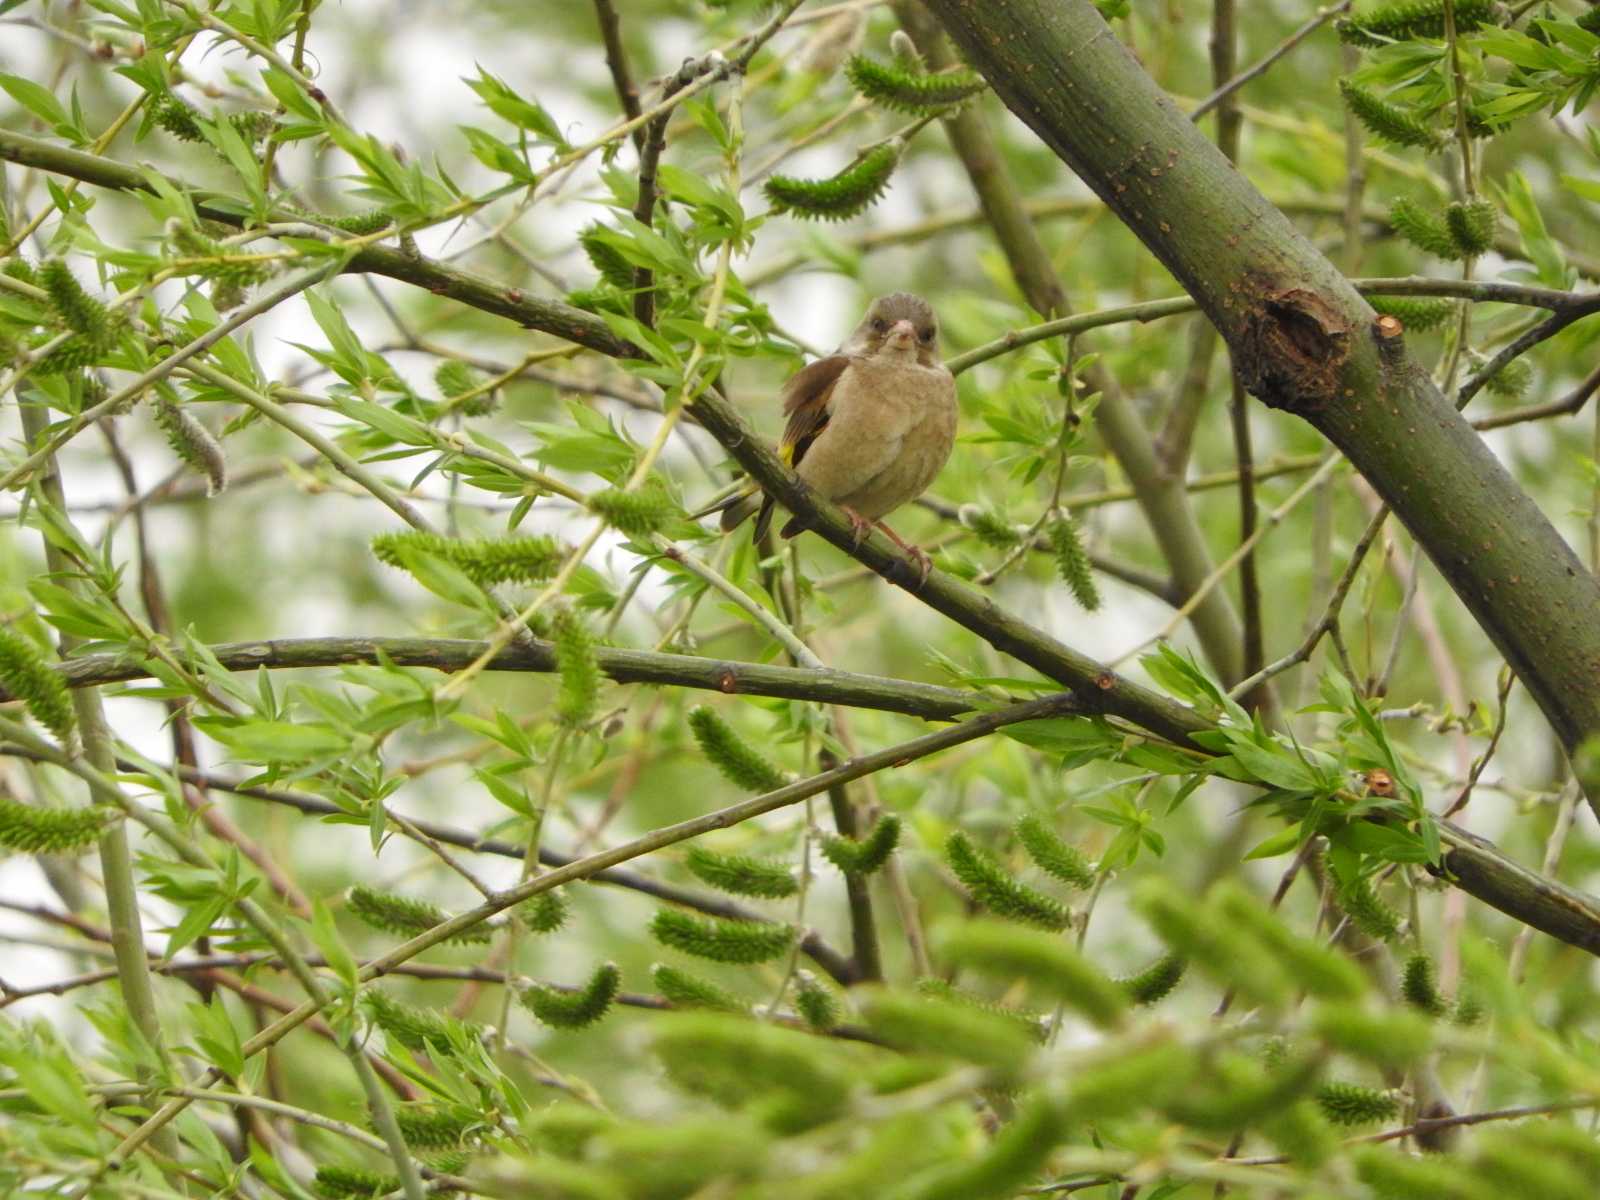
(807, 399)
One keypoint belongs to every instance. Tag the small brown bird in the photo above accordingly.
(870, 426)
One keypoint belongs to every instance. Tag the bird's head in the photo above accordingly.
(898, 326)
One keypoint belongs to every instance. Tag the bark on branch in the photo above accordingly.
(1302, 337)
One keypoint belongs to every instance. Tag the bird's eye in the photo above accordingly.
(927, 334)
(879, 324)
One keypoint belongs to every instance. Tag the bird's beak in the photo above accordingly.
(902, 336)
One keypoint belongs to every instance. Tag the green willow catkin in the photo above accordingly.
(1015, 1156)
(735, 1061)
(406, 917)
(562, 1009)
(741, 765)
(948, 1029)
(1367, 912)
(990, 527)
(1396, 1177)
(1511, 380)
(1420, 987)
(28, 830)
(637, 514)
(1072, 561)
(337, 1182)
(1237, 1092)
(1049, 965)
(1053, 855)
(867, 855)
(1300, 1131)
(78, 310)
(721, 940)
(1156, 981)
(1030, 1023)
(177, 118)
(815, 1002)
(989, 885)
(544, 913)
(613, 267)
(1352, 1105)
(895, 87)
(1317, 969)
(1129, 1080)
(433, 1127)
(413, 1027)
(1424, 229)
(1212, 942)
(1471, 226)
(686, 990)
(486, 561)
(1417, 314)
(841, 197)
(578, 668)
(1395, 1038)
(1385, 121)
(191, 441)
(456, 379)
(1411, 19)
(1512, 1168)
(28, 676)
(741, 874)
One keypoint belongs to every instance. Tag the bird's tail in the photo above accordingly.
(738, 508)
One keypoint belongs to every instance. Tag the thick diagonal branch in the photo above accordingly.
(1302, 338)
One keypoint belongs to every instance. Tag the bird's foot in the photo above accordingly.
(916, 553)
(859, 527)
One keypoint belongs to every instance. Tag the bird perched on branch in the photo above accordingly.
(869, 427)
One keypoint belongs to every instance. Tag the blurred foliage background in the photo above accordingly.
(284, 552)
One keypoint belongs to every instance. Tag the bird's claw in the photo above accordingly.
(859, 527)
(924, 563)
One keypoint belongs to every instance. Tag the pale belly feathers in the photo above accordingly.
(890, 432)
